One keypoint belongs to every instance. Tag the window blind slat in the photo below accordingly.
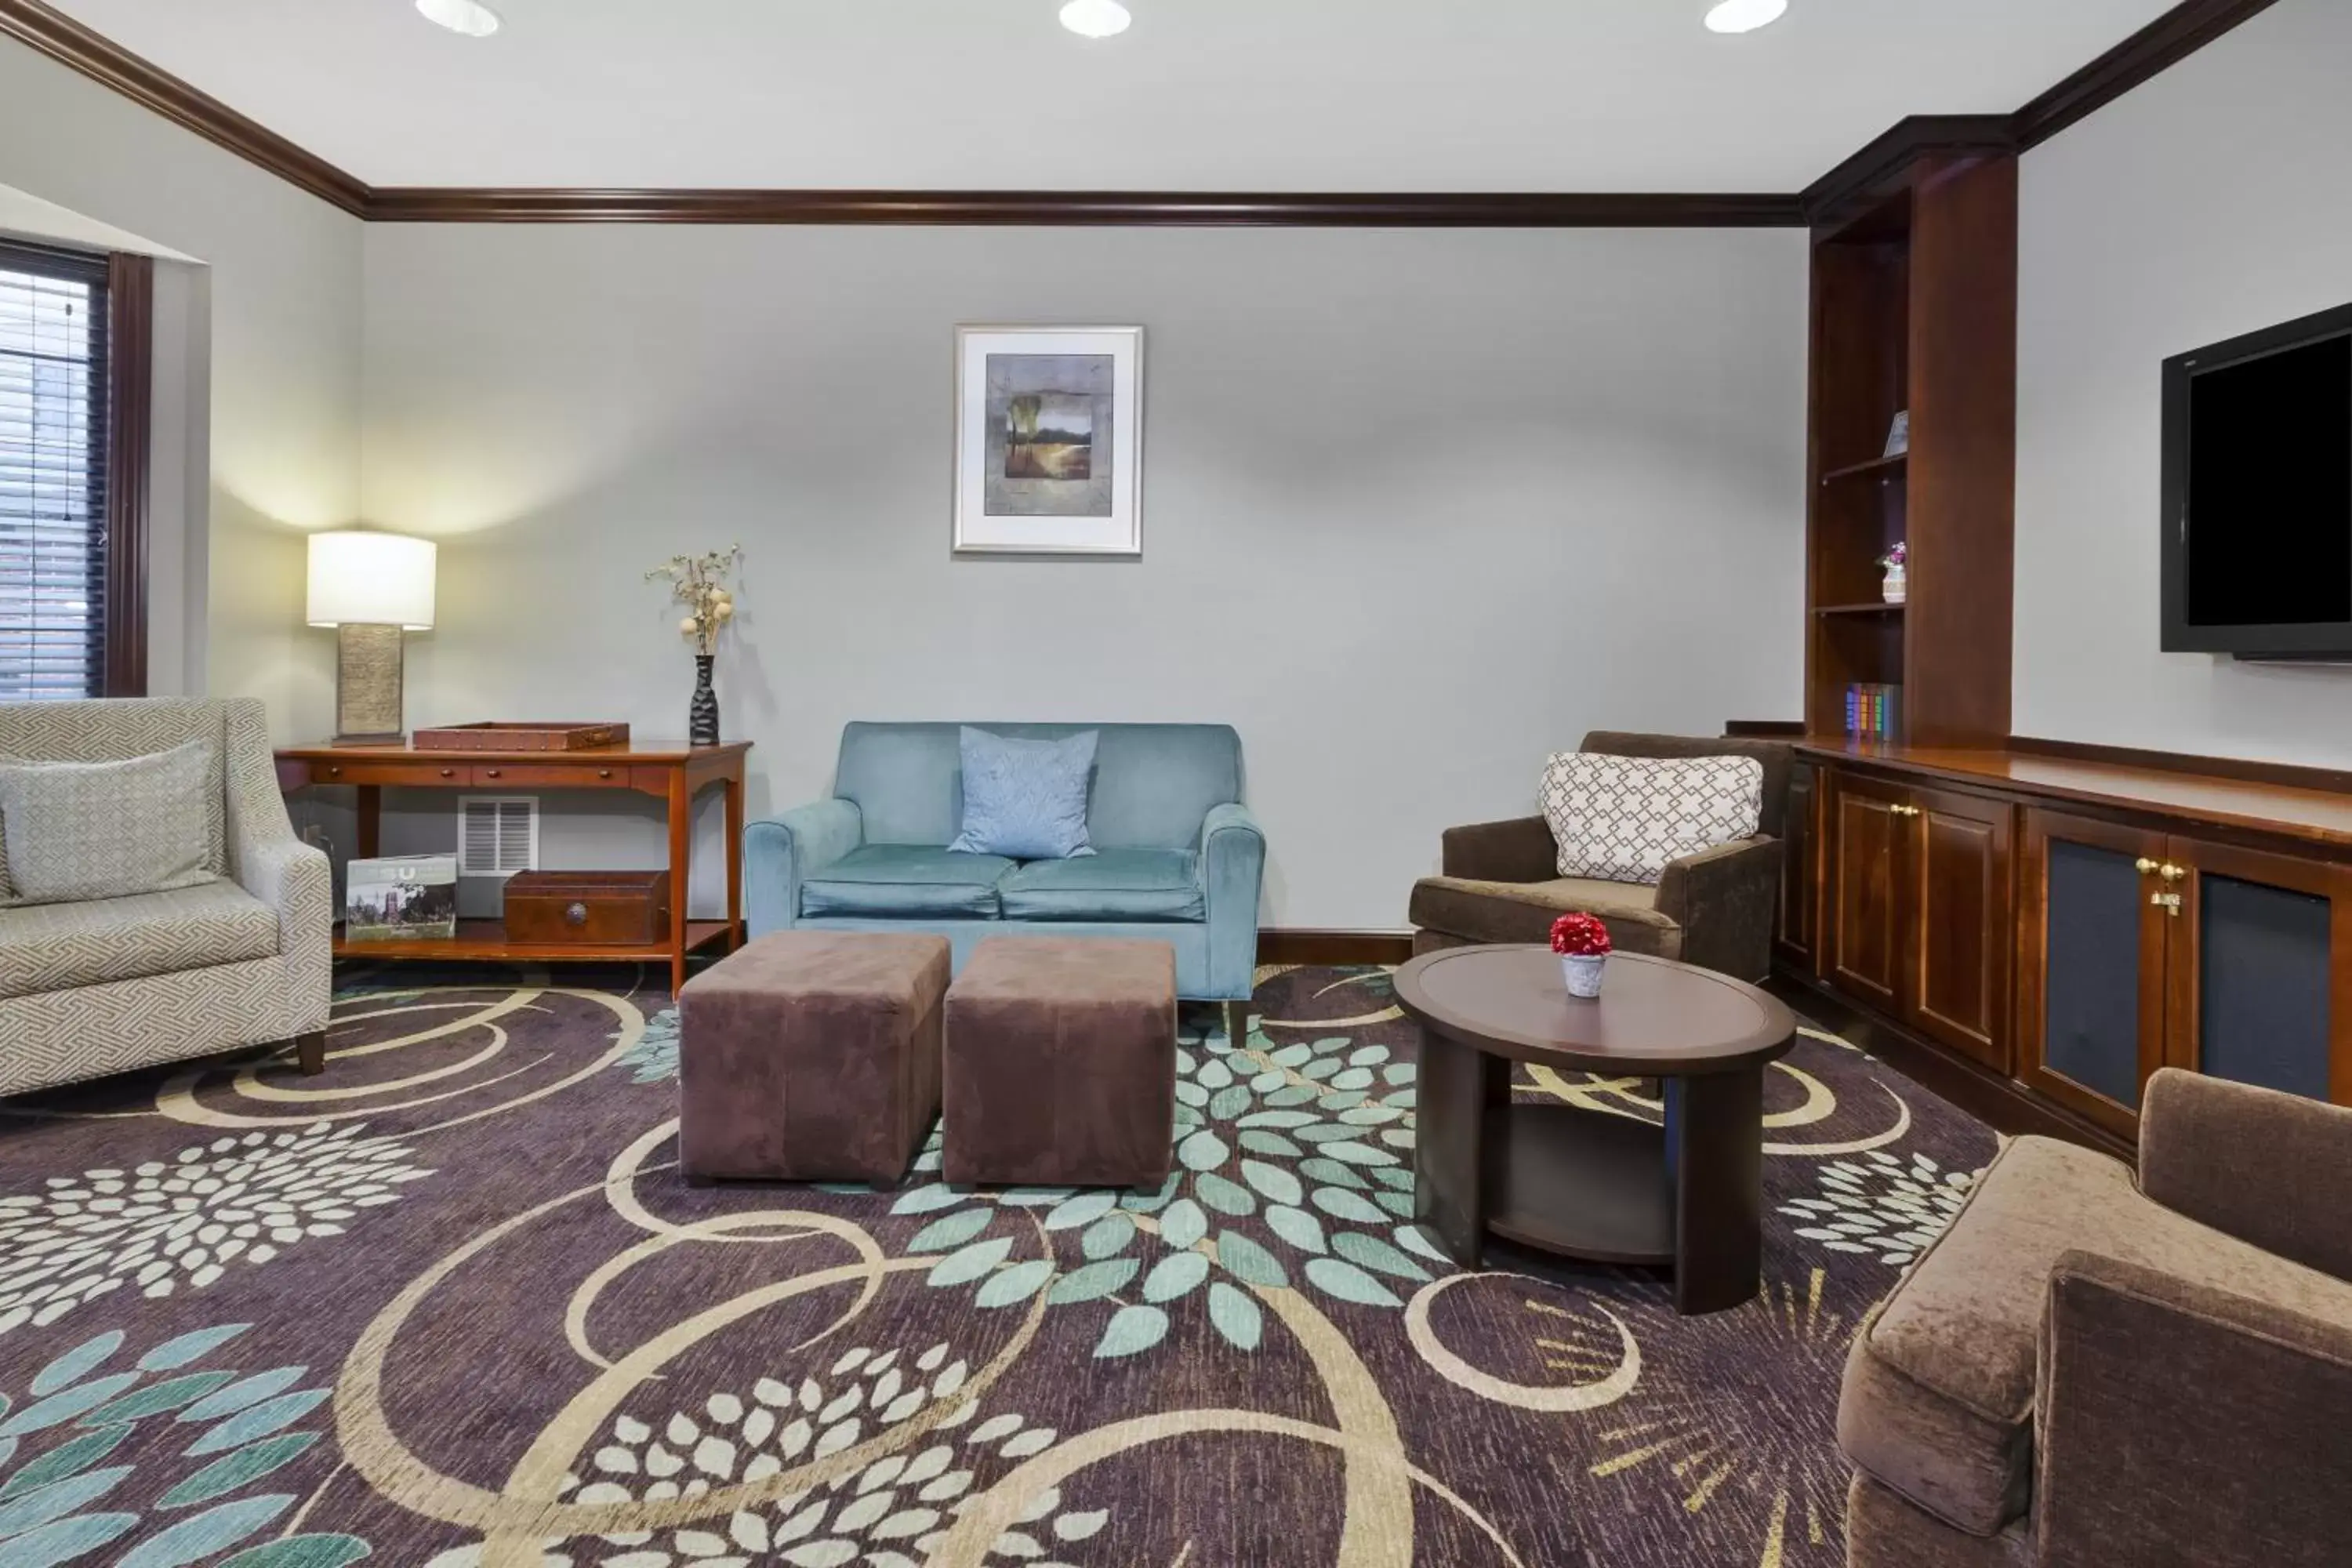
(53, 467)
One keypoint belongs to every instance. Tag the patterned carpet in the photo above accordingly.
(451, 1305)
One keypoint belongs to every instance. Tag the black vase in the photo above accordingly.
(702, 718)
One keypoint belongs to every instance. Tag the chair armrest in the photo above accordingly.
(1230, 871)
(2175, 1423)
(294, 878)
(1724, 900)
(2271, 1169)
(784, 851)
(1521, 850)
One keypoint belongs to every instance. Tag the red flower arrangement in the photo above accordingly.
(1580, 936)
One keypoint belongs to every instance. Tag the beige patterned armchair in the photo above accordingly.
(88, 989)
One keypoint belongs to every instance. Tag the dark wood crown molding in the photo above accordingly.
(2162, 44)
(1191, 208)
(67, 41)
(2172, 37)
(1872, 173)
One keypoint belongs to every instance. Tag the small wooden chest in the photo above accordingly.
(593, 909)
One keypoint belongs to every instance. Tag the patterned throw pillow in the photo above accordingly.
(1622, 820)
(77, 831)
(1025, 800)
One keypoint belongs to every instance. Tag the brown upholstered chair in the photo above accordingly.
(2085, 1370)
(1500, 882)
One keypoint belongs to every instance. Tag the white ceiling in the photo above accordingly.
(1264, 95)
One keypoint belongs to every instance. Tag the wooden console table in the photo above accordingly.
(673, 772)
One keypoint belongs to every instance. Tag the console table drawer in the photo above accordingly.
(543, 775)
(392, 775)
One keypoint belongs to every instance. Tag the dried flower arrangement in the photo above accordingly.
(699, 582)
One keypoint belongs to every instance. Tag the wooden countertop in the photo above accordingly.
(2315, 816)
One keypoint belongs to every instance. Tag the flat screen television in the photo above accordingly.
(2258, 494)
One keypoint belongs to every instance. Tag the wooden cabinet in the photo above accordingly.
(2142, 949)
(1796, 933)
(1864, 939)
(1920, 918)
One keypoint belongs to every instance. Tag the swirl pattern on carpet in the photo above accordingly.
(450, 1305)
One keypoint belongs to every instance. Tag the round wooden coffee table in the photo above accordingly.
(1586, 1184)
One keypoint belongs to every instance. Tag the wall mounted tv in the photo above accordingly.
(2258, 494)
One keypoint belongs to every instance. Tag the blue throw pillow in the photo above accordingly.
(1026, 799)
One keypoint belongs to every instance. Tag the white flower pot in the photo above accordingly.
(1897, 585)
(1583, 971)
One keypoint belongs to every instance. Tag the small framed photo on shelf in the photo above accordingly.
(1049, 441)
(1899, 435)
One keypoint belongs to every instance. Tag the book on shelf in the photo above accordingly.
(1874, 711)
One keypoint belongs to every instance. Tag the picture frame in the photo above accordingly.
(1049, 441)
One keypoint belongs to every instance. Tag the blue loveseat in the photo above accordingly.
(1178, 859)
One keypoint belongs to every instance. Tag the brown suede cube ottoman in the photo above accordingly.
(810, 1057)
(1061, 1064)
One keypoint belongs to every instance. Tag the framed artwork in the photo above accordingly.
(1049, 440)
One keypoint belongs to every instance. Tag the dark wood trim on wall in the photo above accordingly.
(67, 41)
(1278, 944)
(2290, 775)
(1131, 208)
(130, 384)
(2165, 42)
(2162, 44)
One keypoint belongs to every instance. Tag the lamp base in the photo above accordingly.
(368, 686)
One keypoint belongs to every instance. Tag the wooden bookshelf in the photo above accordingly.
(1915, 308)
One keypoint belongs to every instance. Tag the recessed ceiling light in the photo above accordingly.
(1745, 15)
(1095, 18)
(470, 17)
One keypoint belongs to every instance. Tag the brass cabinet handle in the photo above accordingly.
(448, 772)
(2148, 867)
(489, 772)
(1904, 810)
(2172, 873)
(604, 772)
(334, 772)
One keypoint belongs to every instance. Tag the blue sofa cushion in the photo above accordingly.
(1114, 885)
(1025, 798)
(1153, 783)
(896, 879)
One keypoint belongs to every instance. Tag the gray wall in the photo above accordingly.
(2213, 201)
(1418, 507)
(257, 375)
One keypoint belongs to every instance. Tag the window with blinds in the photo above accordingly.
(53, 475)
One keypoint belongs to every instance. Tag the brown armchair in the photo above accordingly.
(2083, 1370)
(1500, 882)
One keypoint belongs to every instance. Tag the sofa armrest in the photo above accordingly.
(294, 878)
(1231, 874)
(1724, 900)
(1521, 850)
(2274, 1170)
(780, 853)
(2175, 1423)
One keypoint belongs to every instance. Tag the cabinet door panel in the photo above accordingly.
(2257, 968)
(1865, 835)
(2090, 998)
(1960, 929)
(1798, 928)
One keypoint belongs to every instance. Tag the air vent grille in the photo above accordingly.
(498, 835)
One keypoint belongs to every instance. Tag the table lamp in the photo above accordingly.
(372, 587)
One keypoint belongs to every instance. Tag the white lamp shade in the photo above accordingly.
(371, 579)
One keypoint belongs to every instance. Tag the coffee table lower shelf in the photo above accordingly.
(1582, 1183)
(485, 942)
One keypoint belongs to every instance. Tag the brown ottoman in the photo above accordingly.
(810, 1057)
(1061, 1064)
